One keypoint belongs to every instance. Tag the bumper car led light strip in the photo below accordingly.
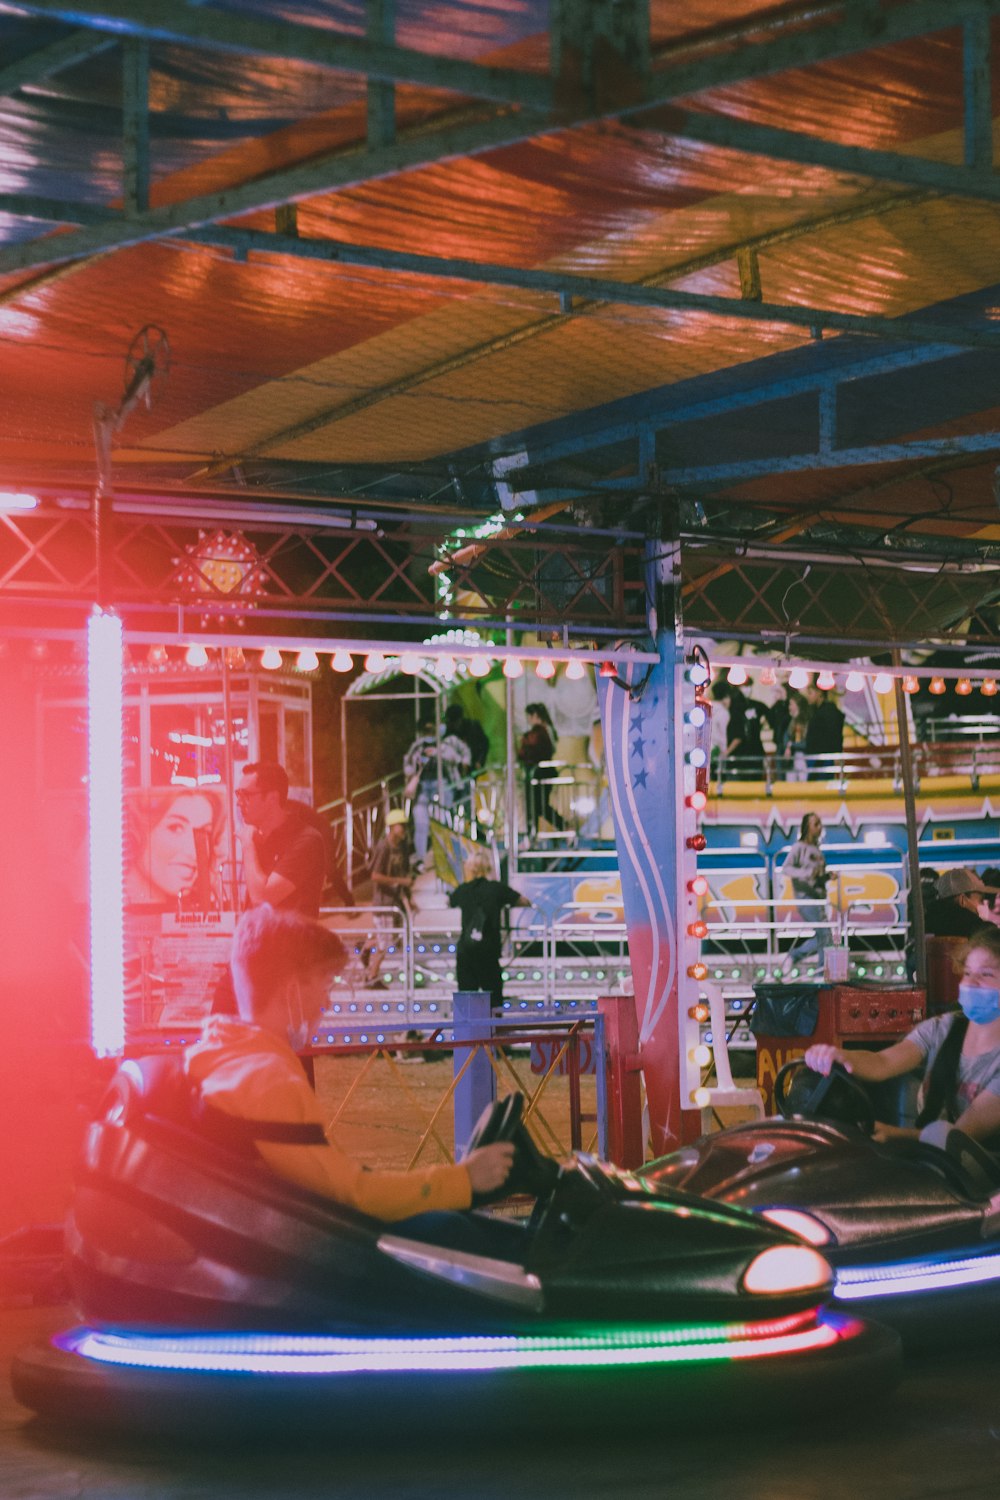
(272, 1354)
(915, 1276)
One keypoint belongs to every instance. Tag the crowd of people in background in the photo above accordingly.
(806, 729)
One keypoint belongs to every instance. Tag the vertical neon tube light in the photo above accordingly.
(105, 653)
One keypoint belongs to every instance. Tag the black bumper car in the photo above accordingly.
(911, 1228)
(213, 1293)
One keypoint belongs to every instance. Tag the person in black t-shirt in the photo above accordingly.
(482, 901)
(284, 857)
(744, 757)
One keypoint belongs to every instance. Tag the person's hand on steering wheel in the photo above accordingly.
(822, 1056)
(490, 1166)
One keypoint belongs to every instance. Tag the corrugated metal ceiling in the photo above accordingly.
(739, 161)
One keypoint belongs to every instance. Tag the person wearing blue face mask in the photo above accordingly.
(959, 1053)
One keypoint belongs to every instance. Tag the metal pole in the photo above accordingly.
(912, 851)
(511, 768)
(227, 714)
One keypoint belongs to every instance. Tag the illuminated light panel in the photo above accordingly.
(275, 1354)
(105, 721)
(787, 1268)
(897, 1280)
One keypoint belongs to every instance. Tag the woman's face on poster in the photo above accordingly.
(170, 861)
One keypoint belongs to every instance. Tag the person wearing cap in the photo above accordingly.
(391, 886)
(954, 912)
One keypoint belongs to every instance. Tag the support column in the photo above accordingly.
(641, 715)
(477, 1087)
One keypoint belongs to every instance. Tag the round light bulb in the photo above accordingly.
(736, 676)
(963, 686)
(270, 659)
(307, 660)
(882, 683)
(480, 666)
(798, 678)
(575, 670)
(513, 666)
(196, 655)
(826, 681)
(855, 681)
(375, 661)
(989, 687)
(409, 663)
(341, 660)
(936, 685)
(545, 668)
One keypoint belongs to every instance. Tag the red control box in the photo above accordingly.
(848, 1014)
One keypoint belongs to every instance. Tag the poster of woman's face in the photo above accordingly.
(173, 847)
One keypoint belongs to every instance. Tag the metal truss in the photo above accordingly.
(865, 602)
(839, 402)
(603, 69)
(312, 573)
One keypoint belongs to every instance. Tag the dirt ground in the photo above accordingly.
(383, 1111)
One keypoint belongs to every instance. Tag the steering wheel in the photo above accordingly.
(810, 1103)
(498, 1122)
(533, 1173)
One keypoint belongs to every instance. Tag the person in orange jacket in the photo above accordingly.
(246, 1068)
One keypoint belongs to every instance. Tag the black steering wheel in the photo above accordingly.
(809, 1101)
(498, 1122)
(533, 1173)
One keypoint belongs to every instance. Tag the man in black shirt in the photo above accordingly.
(284, 856)
(482, 901)
(824, 733)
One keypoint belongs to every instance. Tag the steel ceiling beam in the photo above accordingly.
(344, 169)
(230, 31)
(952, 180)
(46, 61)
(856, 29)
(597, 289)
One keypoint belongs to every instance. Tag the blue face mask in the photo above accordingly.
(980, 1005)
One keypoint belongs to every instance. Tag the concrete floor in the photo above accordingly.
(937, 1436)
